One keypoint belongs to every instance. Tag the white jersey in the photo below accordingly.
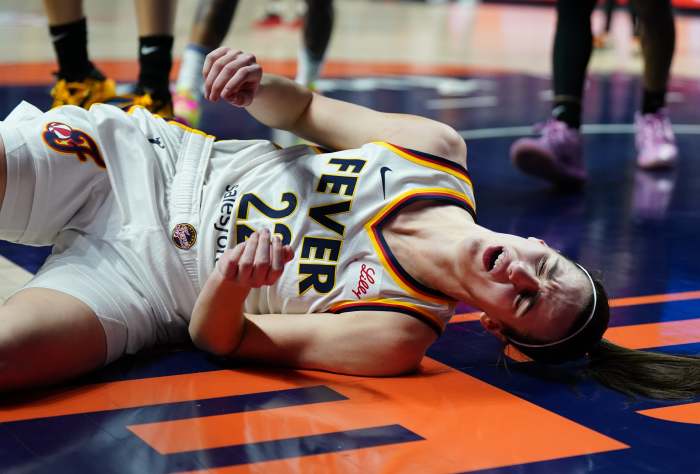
(330, 207)
(139, 210)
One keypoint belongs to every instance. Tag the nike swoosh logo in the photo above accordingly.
(156, 141)
(58, 37)
(383, 171)
(146, 50)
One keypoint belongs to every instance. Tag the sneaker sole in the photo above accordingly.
(536, 164)
(658, 165)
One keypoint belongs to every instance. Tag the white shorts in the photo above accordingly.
(106, 189)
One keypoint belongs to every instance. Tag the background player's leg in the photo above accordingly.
(63, 11)
(318, 26)
(602, 38)
(658, 43)
(156, 20)
(557, 155)
(79, 82)
(656, 144)
(209, 29)
(570, 55)
(47, 336)
(212, 23)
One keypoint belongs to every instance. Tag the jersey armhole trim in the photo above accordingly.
(427, 317)
(430, 161)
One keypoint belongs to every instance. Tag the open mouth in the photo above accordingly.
(492, 256)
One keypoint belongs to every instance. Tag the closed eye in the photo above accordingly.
(525, 301)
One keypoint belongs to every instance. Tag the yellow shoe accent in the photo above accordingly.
(163, 108)
(82, 93)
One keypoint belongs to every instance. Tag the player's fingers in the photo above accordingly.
(228, 263)
(241, 88)
(211, 58)
(287, 253)
(223, 66)
(276, 260)
(221, 71)
(245, 263)
(261, 265)
(235, 71)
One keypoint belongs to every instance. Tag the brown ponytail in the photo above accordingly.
(643, 373)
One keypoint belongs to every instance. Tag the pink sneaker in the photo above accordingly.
(187, 106)
(655, 141)
(556, 156)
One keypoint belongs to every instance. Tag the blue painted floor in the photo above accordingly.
(637, 229)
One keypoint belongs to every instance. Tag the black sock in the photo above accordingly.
(568, 112)
(70, 43)
(155, 61)
(653, 101)
(571, 51)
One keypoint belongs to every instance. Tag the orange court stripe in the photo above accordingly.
(460, 417)
(668, 333)
(687, 413)
(638, 336)
(651, 299)
(613, 302)
(40, 73)
(464, 317)
(149, 391)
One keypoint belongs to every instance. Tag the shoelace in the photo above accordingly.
(552, 129)
(558, 135)
(654, 128)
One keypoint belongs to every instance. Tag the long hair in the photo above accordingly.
(644, 373)
(632, 372)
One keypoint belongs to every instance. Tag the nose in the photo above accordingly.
(522, 277)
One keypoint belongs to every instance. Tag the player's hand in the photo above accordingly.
(231, 75)
(257, 262)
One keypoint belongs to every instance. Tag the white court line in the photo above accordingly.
(12, 277)
(588, 129)
(462, 102)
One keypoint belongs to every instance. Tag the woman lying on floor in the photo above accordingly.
(349, 261)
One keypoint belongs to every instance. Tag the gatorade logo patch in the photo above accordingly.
(64, 139)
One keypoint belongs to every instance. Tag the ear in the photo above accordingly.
(494, 327)
(539, 241)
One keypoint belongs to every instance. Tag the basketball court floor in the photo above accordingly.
(484, 69)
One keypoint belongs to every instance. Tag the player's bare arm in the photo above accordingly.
(349, 344)
(278, 102)
(217, 324)
(356, 343)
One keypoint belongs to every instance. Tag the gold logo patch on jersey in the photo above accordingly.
(184, 236)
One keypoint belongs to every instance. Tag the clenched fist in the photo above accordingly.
(231, 75)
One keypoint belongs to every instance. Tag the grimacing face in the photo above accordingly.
(525, 288)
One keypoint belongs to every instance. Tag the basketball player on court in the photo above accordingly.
(349, 261)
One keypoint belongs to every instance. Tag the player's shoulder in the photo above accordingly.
(452, 160)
